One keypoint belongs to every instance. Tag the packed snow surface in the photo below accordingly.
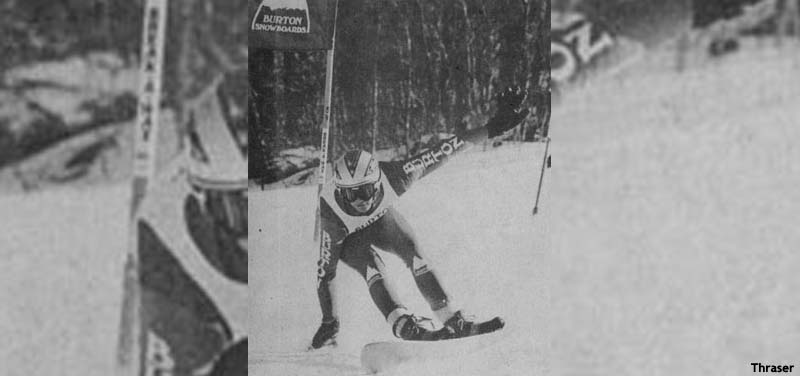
(61, 262)
(675, 212)
(473, 219)
(666, 243)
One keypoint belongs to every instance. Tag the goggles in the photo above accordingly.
(364, 192)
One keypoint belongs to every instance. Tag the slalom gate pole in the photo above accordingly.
(326, 126)
(541, 175)
(130, 351)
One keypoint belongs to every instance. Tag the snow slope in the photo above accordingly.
(666, 239)
(473, 217)
(674, 211)
(62, 253)
(667, 243)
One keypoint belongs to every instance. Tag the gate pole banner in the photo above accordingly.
(292, 24)
(326, 125)
(326, 134)
(150, 83)
(129, 347)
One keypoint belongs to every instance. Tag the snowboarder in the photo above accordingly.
(357, 217)
(193, 243)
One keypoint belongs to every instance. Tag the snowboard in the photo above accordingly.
(386, 356)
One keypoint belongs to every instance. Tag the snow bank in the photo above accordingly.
(674, 231)
(62, 253)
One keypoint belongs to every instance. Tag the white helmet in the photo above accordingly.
(358, 180)
(217, 135)
(355, 168)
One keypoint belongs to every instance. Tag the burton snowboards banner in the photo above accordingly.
(292, 24)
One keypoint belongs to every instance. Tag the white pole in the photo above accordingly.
(326, 124)
(129, 348)
(150, 84)
(326, 119)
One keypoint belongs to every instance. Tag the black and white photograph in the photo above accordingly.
(398, 220)
(674, 187)
(123, 187)
(430, 188)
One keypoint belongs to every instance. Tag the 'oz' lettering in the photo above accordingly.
(576, 42)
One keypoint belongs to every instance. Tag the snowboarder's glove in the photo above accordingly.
(509, 114)
(326, 334)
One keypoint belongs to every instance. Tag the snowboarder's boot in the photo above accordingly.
(464, 327)
(413, 328)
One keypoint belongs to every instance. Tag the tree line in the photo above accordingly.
(204, 38)
(403, 70)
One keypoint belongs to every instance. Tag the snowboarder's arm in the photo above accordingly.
(402, 174)
(329, 251)
(326, 272)
(509, 114)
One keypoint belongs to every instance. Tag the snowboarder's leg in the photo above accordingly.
(359, 255)
(369, 264)
(399, 238)
(402, 241)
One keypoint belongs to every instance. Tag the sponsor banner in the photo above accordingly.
(292, 24)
